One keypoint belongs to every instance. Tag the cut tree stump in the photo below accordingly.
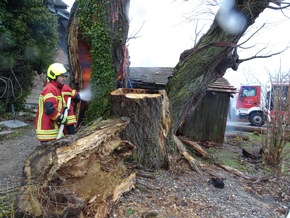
(150, 124)
(80, 175)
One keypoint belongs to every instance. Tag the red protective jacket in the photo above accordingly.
(51, 104)
(50, 107)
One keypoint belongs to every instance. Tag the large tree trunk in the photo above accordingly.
(81, 45)
(207, 61)
(79, 176)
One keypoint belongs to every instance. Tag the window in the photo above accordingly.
(248, 91)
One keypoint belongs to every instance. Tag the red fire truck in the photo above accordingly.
(257, 103)
(249, 106)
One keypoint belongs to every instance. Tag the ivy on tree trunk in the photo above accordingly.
(102, 26)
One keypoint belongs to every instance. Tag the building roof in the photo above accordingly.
(149, 77)
(157, 77)
(58, 7)
(221, 85)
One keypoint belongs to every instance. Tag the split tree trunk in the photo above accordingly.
(150, 124)
(79, 176)
(81, 59)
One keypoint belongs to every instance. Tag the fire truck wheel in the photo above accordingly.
(256, 119)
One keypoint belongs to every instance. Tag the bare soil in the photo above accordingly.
(179, 192)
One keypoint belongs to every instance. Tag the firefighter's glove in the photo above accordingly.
(62, 119)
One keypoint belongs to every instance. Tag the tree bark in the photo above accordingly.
(80, 54)
(78, 175)
(208, 60)
(150, 124)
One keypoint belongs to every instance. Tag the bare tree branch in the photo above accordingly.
(261, 56)
(197, 32)
(286, 5)
(134, 36)
(252, 35)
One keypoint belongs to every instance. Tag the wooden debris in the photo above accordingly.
(245, 128)
(145, 175)
(125, 186)
(195, 145)
(233, 170)
(81, 174)
(182, 150)
(237, 135)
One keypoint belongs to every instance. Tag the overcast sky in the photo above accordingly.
(166, 33)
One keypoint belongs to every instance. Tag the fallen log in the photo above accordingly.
(245, 128)
(233, 170)
(79, 175)
(195, 145)
(237, 135)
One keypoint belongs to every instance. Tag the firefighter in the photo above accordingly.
(52, 105)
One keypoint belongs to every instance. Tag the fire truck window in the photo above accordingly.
(248, 91)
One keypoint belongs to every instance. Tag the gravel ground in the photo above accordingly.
(179, 193)
(191, 195)
(14, 149)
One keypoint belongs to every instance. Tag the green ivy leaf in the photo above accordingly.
(130, 211)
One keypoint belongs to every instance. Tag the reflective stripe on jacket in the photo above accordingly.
(66, 93)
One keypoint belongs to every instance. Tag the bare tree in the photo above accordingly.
(277, 126)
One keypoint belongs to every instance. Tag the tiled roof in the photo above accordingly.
(158, 76)
(222, 85)
(151, 74)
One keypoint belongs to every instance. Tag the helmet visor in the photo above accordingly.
(65, 74)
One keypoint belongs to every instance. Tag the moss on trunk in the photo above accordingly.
(207, 61)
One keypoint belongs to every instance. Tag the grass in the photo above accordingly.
(230, 154)
(15, 133)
